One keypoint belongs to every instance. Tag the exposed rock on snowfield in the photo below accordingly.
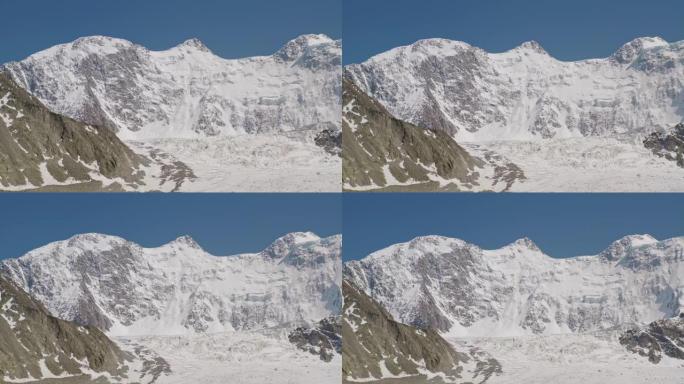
(525, 93)
(461, 289)
(380, 151)
(669, 145)
(39, 148)
(178, 288)
(330, 139)
(186, 91)
(323, 339)
(661, 337)
(36, 346)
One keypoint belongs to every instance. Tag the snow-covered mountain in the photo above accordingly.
(526, 94)
(180, 289)
(187, 91)
(463, 290)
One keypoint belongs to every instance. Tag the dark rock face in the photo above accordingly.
(373, 141)
(371, 338)
(29, 337)
(330, 139)
(34, 140)
(662, 337)
(669, 145)
(324, 339)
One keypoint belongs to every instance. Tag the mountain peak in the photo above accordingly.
(525, 243)
(439, 45)
(532, 45)
(91, 237)
(637, 240)
(295, 47)
(282, 246)
(105, 44)
(621, 246)
(194, 43)
(186, 241)
(630, 50)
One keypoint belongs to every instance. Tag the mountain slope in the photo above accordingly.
(187, 91)
(382, 151)
(461, 289)
(376, 347)
(38, 346)
(39, 148)
(524, 93)
(178, 288)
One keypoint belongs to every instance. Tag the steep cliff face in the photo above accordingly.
(38, 346)
(187, 91)
(461, 289)
(524, 93)
(40, 148)
(178, 288)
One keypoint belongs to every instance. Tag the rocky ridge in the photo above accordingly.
(658, 339)
(39, 148)
(37, 346)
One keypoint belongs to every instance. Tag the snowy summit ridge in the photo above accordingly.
(459, 288)
(186, 91)
(525, 93)
(178, 288)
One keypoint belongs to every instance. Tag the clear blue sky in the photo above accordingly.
(567, 29)
(562, 225)
(223, 224)
(229, 28)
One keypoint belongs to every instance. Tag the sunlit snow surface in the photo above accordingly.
(240, 357)
(596, 358)
(248, 163)
(586, 165)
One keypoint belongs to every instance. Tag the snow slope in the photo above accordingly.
(516, 290)
(526, 94)
(180, 289)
